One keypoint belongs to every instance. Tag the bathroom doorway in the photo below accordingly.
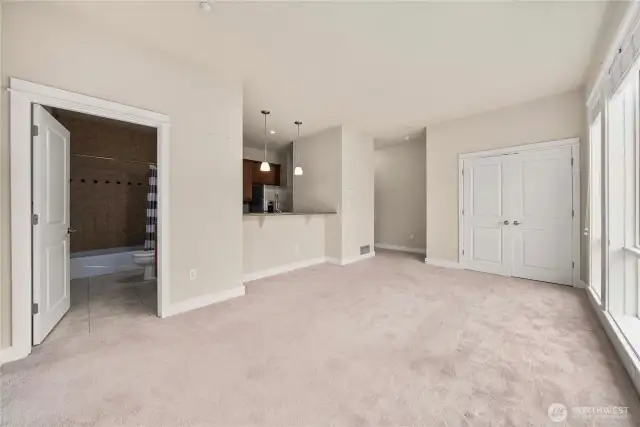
(24, 313)
(95, 191)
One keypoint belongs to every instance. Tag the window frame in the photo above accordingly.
(598, 120)
(622, 199)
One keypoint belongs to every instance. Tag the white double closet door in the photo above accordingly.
(518, 215)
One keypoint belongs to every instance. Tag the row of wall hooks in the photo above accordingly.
(113, 159)
(95, 181)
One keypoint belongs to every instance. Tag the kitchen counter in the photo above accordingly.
(287, 213)
(277, 242)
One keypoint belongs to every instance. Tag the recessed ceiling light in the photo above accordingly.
(205, 6)
(272, 132)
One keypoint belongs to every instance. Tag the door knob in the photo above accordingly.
(516, 223)
(506, 222)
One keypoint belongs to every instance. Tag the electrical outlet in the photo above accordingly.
(193, 274)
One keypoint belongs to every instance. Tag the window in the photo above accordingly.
(623, 253)
(613, 200)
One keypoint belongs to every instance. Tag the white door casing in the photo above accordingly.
(518, 215)
(22, 96)
(485, 212)
(542, 215)
(51, 280)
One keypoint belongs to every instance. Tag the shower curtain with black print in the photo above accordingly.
(152, 210)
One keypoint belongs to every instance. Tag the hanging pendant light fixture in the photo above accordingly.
(264, 166)
(298, 169)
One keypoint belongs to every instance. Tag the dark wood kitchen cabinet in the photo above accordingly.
(259, 177)
(252, 175)
(273, 176)
(246, 180)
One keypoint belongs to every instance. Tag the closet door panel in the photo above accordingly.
(542, 227)
(485, 233)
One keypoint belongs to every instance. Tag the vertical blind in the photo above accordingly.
(624, 60)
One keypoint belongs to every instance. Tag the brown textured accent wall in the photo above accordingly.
(108, 198)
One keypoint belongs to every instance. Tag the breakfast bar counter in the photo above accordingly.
(275, 243)
(288, 213)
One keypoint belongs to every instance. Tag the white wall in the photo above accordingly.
(43, 44)
(338, 176)
(400, 194)
(557, 117)
(320, 187)
(5, 298)
(357, 193)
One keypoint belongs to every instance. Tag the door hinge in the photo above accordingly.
(462, 211)
(573, 264)
(35, 219)
(35, 130)
(462, 172)
(34, 308)
(573, 212)
(572, 161)
(463, 252)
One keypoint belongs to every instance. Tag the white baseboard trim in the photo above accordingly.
(283, 269)
(11, 354)
(628, 357)
(580, 284)
(443, 263)
(203, 301)
(351, 260)
(401, 248)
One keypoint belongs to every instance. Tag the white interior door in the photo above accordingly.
(485, 215)
(542, 220)
(51, 285)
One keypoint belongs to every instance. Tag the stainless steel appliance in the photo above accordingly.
(270, 198)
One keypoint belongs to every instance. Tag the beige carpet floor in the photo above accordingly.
(388, 341)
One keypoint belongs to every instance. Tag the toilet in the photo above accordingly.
(146, 259)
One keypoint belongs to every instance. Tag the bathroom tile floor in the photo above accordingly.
(105, 300)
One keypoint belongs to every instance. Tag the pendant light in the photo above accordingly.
(264, 166)
(298, 169)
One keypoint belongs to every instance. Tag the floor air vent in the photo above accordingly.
(365, 249)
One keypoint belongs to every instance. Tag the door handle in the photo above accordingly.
(71, 230)
(506, 222)
(516, 223)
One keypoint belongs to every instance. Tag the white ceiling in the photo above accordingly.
(387, 69)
